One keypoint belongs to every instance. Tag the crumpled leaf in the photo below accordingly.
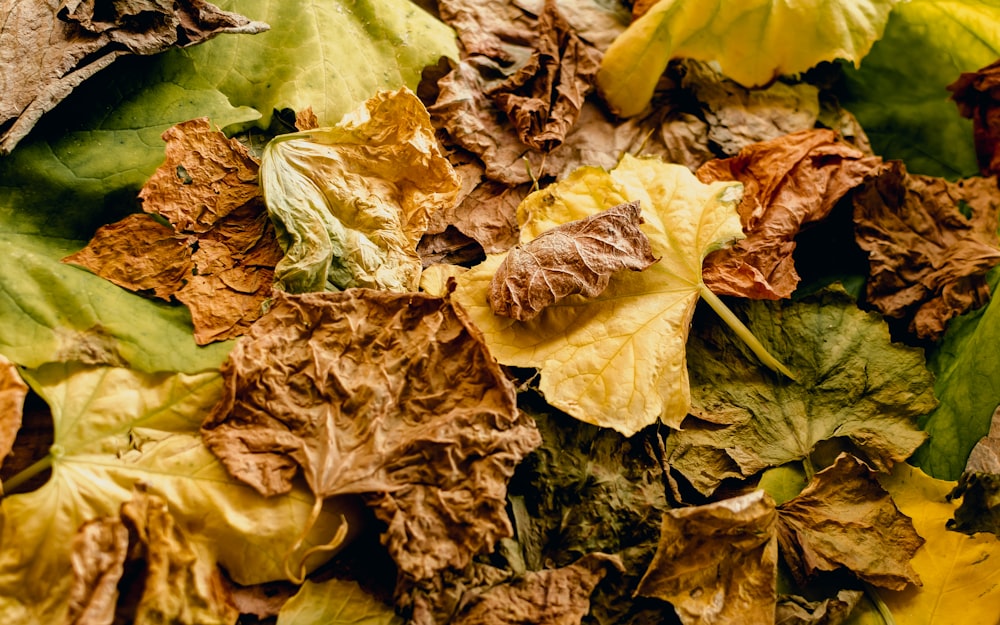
(854, 383)
(114, 428)
(717, 563)
(792, 610)
(616, 360)
(51, 47)
(929, 243)
(335, 602)
(740, 36)
(789, 182)
(100, 548)
(351, 202)
(575, 257)
(844, 518)
(547, 597)
(975, 94)
(408, 409)
(979, 486)
(13, 390)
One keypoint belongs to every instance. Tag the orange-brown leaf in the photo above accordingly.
(13, 390)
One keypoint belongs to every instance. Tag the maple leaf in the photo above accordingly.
(13, 390)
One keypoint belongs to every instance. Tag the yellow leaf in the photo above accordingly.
(616, 360)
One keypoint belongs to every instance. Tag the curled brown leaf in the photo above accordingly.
(977, 95)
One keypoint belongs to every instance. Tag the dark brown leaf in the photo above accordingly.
(977, 95)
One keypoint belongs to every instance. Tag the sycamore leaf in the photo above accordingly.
(115, 428)
(741, 36)
(13, 390)
(351, 202)
(789, 182)
(717, 563)
(331, 56)
(854, 384)
(51, 47)
(929, 242)
(335, 602)
(979, 486)
(616, 360)
(389, 395)
(576, 257)
(844, 518)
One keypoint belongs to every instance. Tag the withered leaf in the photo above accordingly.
(794, 610)
(575, 257)
(49, 47)
(977, 97)
(100, 548)
(492, 29)
(844, 518)
(389, 395)
(788, 183)
(979, 486)
(930, 243)
(13, 390)
(717, 563)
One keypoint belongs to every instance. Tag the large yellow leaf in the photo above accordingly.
(616, 360)
(754, 41)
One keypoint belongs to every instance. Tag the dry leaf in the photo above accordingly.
(793, 610)
(788, 182)
(976, 95)
(575, 257)
(51, 46)
(13, 390)
(979, 486)
(930, 243)
(98, 562)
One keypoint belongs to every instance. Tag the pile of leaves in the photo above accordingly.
(520, 311)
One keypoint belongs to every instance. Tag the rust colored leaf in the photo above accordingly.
(389, 395)
(306, 119)
(788, 182)
(576, 257)
(717, 563)
(977, 95)
(13, 390)
(844, 518)
(49, 47)
(100, 548)
(930, 243)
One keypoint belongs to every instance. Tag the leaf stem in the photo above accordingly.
(743, 332)
(883, 609)
(26, 474)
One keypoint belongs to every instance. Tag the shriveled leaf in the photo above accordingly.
(100, 548)
(389, 395)
(13, 390)
(975, 95)
(576, 257)
(616, 360)
(51, 47)
(792, 610)
(854, 383)
(351, 202)
(789, 182)
(115, 428)
(335, 602)
(844, 518)
(717, 563)
(743, 37)
(979, 486)
(929, 242)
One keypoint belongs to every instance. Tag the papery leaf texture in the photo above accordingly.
(13, 390)
(740, 37)
(350, 202)
(115, 428)
(979, 486)
(616, 360)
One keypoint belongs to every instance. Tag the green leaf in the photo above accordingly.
(330, 56)
(335, 602)
(899, 95)
(115, 428)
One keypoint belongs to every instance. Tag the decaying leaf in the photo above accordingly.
(50, 47)
(930, 243)
(351, 202)
(979, 486)
(854, 383)
(717, 563)
(616, 360)
(389, 395)
(100, 548)
(789, 182)
(576, 257)
(793, 610)
(13, 390)
(975, 93)
(844, 518)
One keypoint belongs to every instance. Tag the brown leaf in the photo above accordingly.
(390, 395)
(977, 96)
(979, 486)
(13, 390)
(788, 182)
(98, 562)
(717, 563)
(548, 597)
(844, 518)
(51, 46)
(930, 243)
(576, 257)
(306, 119)
(492, 29)
(794, 610)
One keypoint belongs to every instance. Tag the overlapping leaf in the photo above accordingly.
(979, 486)
(13, 390)
(975, 95)
(335, 602)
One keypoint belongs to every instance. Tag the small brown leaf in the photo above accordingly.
(13, 390)
(930, 243)
(979, 486)
(844, 518)
(98, 562)
(977, 96)
(794, 610)
(576, 257)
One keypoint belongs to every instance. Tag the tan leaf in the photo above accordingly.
(930, 243)
(98, 561)
(13, 390)
(389, 395)
(59, 44)
(793, 610)
(576, 257)
(717, 563)
(844, 518)
(788, 183)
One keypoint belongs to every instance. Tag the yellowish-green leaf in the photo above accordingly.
(754, 41)
(335, 602)
(616, 360)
